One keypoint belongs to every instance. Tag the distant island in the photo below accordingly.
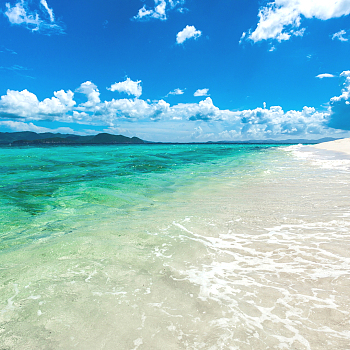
(24, 138)
(33, 138)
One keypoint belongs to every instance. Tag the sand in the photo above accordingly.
(257, 260)
(341, 145)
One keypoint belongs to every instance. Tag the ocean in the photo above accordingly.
(174, 247)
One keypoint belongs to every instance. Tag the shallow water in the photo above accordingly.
(176, 247)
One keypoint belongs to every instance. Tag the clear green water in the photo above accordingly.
(172, 247)
(44, 189)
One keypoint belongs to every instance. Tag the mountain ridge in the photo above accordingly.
(33, 138)
(22, 138)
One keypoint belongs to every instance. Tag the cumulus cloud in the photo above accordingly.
(204, 111)
(92, 93)
(325, 75)
(339, 106)
(129, 87)
(24, 104)
(159, 10)
(274, 121)
(258, 123)
(187, 33)
(340, 36)
(132, 109)
(38, 19)
(197, 120)
(201, 92)
(19, 104)
(58, 105)
(281, 19)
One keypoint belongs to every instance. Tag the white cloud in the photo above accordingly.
(24, 104)
(204, 110)
(340, 36)
(58, 105)
(281, 19)
(49, 11)
(18, 15)
(339, 106)
(325, 75)
(201, 92)
(129, 87)
(92, 93)
(160, 9)
(243, 36)
(346, 87)
(187, 33)
(66, 98)
(198, 132)
(21, 126)
(21, 14)
(158, 12)
(274, 121)
(133, 109)
(144, 13)
(20, 104)
(196, 120)
(176, 92)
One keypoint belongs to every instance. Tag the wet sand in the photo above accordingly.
(260, 263)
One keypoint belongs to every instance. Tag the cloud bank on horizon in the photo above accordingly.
(22, 108)
(177, 115)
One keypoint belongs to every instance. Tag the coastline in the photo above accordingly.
(339, 146)
(255, 258)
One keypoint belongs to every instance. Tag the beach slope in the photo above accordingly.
(341, 145)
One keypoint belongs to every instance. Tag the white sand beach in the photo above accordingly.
(246, 250)
(341, 145)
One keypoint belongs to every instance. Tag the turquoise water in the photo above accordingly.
(43, 189)
(173, 247)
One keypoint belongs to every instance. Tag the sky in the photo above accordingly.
(176, 70)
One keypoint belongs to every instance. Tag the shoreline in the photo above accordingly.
(255, 259)
(340, 146)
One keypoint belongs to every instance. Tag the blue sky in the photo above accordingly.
(176, 70)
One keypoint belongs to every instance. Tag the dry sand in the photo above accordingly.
(341, 145)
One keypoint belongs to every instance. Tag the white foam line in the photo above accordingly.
(138, 342)
(251, 270)
(9, 305)
(318, 158)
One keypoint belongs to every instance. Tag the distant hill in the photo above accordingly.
(32, 138)
(9, 137)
